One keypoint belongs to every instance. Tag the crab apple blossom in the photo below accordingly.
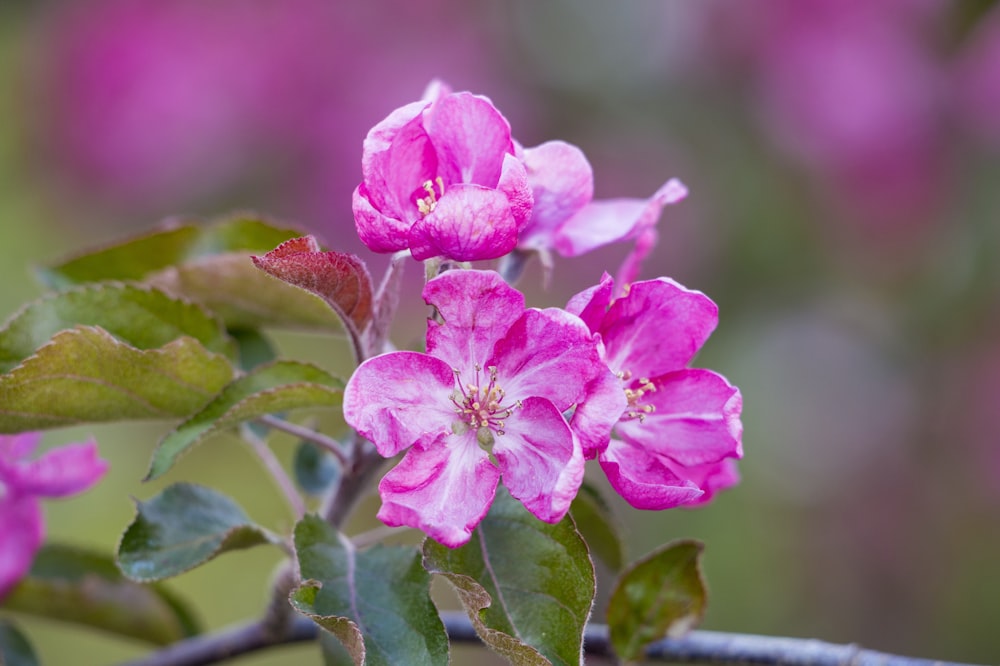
(676, 439)
(440, 178)
(486, 401)
(63, 471)
(565, 218)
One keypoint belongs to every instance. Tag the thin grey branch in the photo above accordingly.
(307, 434)
(698, 647)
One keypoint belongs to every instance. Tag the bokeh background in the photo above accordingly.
(843, 158)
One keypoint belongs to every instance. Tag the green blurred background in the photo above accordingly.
(844, 166)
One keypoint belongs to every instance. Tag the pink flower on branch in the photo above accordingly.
(440, 178)
(680, 431)
(567, 220)
(64, 471)
(486, 401)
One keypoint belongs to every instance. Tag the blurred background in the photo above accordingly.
(843, 158)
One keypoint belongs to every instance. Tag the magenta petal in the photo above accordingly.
(643, 480)
(562, 183)
(591, 304)
(612, 220)
(469, 223)
(596, 416)
(21, 533)
(444, 490)
(657, 328)
(713, 478)
(541, 462)
(400, 399)
(470, 137)
(477, 307)
(548, 353)
(15, 447)
(514, 185)
(377, 231)
(62, 471)
(382, 167)
(696, 419)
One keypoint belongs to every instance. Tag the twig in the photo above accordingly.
(277, 472)
(308, 434)
(698, 647)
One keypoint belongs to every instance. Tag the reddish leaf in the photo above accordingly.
(342, 280)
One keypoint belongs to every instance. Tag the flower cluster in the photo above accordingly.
(63, 471)
(522, 395)
(443, 177)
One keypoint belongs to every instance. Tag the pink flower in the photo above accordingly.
(64, 471)
(565, 218)
(681, 426)
(440, 179)
(486, 400)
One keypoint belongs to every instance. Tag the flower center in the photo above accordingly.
(634, 393)
(426, 204)
(481, 407)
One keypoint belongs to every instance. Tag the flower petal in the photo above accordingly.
(21, 534)
(396, 159)
(380, 233)
(712, 478)
(595, 417)
(540, 460)
(470, 137)
(592, 304)
(514, 185)
(696, 419)
(468, 223)
(609, 221)
(16, 447)
(547, 353)
(478, 308)
(400, 399)
(60, 472)
(562, 183)
(643, 480)
(657, 327)
(444, 490)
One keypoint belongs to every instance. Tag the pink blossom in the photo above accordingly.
(440, 178)
(61, 472)
(681, 427)
(486, 400)
(567, 220)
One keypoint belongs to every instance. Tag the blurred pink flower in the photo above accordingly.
(681, 427)
(486, 400)
(854, 90)
(63, 471)
(978, 80)
(165, 103)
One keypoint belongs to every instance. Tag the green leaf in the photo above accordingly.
(184, 526)
(282, 385)
(243, 296)
(662, 594)
(172, 243)
(206, 263)
(596, 523)
(376, 601)
(254, 348)
(85, 375)
(86, 588)
(526, 585)
(15, 650)
(141, 317)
